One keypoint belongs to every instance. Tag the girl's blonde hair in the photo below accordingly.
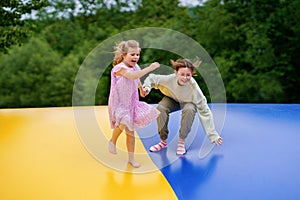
(122, 48)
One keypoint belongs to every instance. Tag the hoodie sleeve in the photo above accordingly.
(205, 115)
(152, 81)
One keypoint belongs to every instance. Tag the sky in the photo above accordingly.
(191, 2)
(188, 3)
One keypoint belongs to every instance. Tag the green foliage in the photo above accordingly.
(25, 72)
(262, 88)
(251, 43)
(64, 36)
(254, 43)
(60, 82)
(13, 30)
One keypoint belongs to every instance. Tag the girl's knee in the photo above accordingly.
(122, 127)
(189, 109)
(162, 108)
(129, 133)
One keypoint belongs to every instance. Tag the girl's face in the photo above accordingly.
(184, 75)
(132, 57)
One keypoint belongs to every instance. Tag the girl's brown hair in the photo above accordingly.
(122, 48)
(185, 63)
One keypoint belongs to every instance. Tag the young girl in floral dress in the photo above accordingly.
(126, 112)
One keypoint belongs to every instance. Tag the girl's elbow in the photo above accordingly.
(133, 77)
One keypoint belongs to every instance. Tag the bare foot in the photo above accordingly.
(134, 163)
(112, 148)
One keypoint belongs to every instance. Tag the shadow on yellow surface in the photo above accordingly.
(43, 157)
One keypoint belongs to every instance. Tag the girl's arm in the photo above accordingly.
(132, 75)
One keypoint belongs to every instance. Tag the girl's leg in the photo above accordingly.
(113, 141)
(180, 148)
(165, 106)
(130, 142)
(187, 119)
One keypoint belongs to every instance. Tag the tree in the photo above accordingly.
(24, 73)
(63, 36)
(12, 28)
(255, 46)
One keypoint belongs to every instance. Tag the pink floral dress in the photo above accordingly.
(124, 106)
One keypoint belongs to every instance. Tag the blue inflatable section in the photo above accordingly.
(259, 159)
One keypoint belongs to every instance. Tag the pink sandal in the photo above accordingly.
(161, 145)
(180, 148)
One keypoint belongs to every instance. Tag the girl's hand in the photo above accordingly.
(144, 92)
(218, 141)
(154, 66)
